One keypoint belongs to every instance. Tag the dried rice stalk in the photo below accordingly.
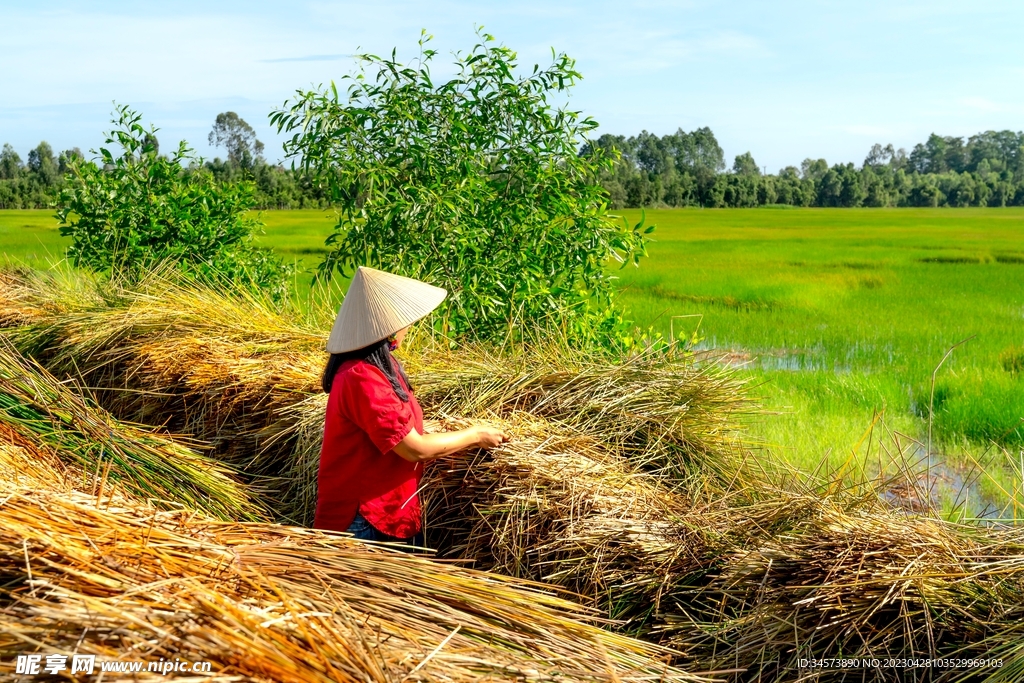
(668, 415)
(748, 582)
(40, 413)
(270, 603)
(872, 583)
(28, 464)
(554, 505)
(187, 357)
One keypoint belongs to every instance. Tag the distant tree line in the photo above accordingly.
(688, 169)
(36, 183)
(679, 169)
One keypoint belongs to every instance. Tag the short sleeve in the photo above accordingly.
(369, 400)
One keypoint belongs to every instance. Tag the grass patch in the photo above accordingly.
(30, 237)
(858, 319)
(1012, 360)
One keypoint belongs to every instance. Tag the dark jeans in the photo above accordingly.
(363, 530)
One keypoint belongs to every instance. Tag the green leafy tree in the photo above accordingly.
(474, 183)
(887, 156)
(813, 169)
(238, 138)
(939, 155)
(700, 151)
(136, 209)
(744, 164)
(10, 163)
(700, 156)
(1001, 151)
(43, 165)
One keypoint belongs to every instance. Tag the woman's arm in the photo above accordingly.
(416, 447)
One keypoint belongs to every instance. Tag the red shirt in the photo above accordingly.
(358, 468)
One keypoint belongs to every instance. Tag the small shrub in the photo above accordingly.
(475, 184)
(137, 209)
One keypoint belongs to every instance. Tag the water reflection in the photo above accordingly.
(774, 359)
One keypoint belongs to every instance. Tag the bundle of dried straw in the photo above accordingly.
(625, 484)
(261, 602)
(38, 411)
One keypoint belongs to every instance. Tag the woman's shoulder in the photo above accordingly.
(361, 382)
(358, 368)
(358, 371)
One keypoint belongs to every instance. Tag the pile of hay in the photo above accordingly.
(869, 583)
(170, 353)
(626, 484)
(556, 506)
(105, 454)
(665, 413)
(733, 580)
(113, 577)
(232, 369)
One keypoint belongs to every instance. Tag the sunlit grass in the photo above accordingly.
(843, 314)
(30, 238)
(298, 236)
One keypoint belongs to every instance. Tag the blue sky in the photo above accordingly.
(785, 80)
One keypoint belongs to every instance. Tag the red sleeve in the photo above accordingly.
(369, 400)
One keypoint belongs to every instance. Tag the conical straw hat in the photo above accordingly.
(377, 305)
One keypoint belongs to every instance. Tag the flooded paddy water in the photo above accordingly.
(944, 479)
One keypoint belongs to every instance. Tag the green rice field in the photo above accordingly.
(844, 314)
(836, 315)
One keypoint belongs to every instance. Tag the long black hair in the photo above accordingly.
(379, 356)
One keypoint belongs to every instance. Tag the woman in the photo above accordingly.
(374, 447)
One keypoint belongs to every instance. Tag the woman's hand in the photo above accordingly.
(489, 437)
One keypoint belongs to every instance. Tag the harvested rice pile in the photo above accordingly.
(105, 454)
(261, 602)
(188, 357)
(666, 415)
(874, 584)
(101, 572)
(733, 582)
(229, 368)
(555, 505)
(622, 484)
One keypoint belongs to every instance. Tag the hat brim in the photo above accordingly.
(378, 305)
